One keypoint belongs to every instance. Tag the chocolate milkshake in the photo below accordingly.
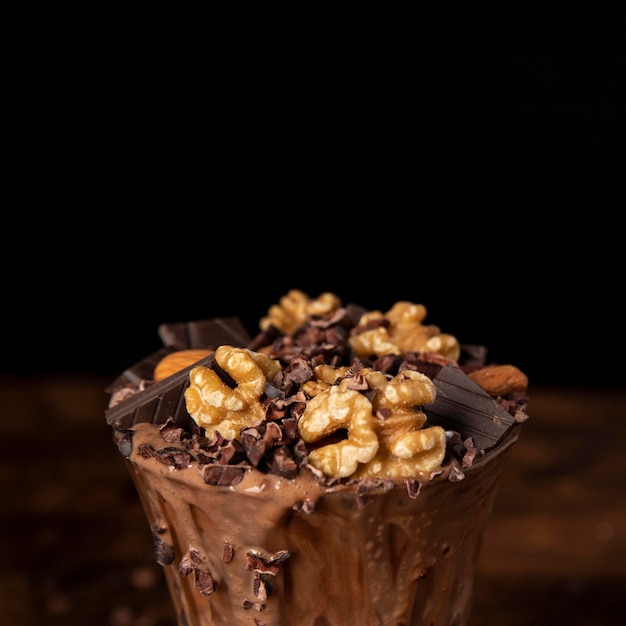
(337, 468)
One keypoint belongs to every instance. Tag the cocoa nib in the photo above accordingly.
(282, 463)
(146, 451)
(266, 564)
(474, 421)
(173, 457)
(262, 586)
(320, 340)
(228, 553)
(203, 581)
(222, 475)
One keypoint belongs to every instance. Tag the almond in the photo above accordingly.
(500, 380)
(176, 361)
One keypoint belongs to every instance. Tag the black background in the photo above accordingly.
(470, 162)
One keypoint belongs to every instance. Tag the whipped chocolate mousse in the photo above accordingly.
(338, 467)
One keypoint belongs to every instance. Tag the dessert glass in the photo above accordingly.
(270, 551)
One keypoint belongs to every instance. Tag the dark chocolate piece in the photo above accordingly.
(159, 401)
(204, 334)
(156, 403)
(462, 406)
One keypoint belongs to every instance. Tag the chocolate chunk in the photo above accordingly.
(203, 581)
(223, 475)
(266, 565)
(228, 553)
(204, 334)
(462, 406)
(282, 463)
(173, 457)
(157, 403)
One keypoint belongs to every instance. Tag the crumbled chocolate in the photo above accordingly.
(222, 475)
(474, 421)
(256, 563)
(192, 562)
(228, 553)
(262, 587)
(146, 451)
(322, 340)
(282, 463)
(171, 432)
(231, 452)
(195, 556)
(203, 581)
(173, 457)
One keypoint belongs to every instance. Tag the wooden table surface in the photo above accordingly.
(76, 549)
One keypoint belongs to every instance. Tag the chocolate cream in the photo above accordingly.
(375, 559)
